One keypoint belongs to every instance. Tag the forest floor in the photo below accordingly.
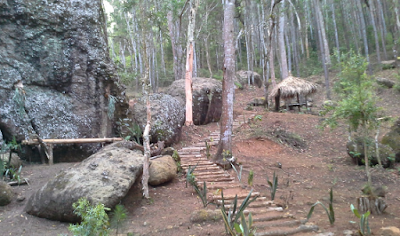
(308, 170)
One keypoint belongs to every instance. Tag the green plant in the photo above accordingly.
(231, 216)
(94, 219)
(118, 217)
(258, 117)
(250, 178)
(238, 173)
(273, 185)
(207, 150)
(175, 156)
(364, 224)
(330, 212)
(244, 228)
(191, 179)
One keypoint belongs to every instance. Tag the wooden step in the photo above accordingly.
(289, 231)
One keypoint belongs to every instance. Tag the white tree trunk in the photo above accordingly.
(281, 42)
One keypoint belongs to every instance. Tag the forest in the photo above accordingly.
(273, 38)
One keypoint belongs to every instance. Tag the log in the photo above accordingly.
(371, 204)
(23, 181)
(68, 141)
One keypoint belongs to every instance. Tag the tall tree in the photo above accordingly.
(321, 28)
(189, 61)
(281, 42)
(225, 143)
(364, 34)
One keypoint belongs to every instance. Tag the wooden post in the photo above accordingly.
(50, 152)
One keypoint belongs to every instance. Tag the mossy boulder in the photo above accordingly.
(392, 139)
(355, 149)
(6, 193)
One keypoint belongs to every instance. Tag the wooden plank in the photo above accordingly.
(77, 140)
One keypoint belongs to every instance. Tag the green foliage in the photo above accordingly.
(330, 212)
(191, 179)
(175, 156)
(258, 117)
(232, 215)
(134, 130)
(364, 223)
(208, 154)
(244, 228)
(94, 219)
(118, 217)
(311, 66)
(273, 185)
(7, 171)
(250, 178)
(219, 75)
(238, 173)
(111, 106)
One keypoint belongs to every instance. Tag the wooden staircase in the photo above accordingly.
(268, 218)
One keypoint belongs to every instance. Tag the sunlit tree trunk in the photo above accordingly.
(321, 27)
(281, 42)
(189, 62)
(225, 142)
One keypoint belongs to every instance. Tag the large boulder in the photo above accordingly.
(207, 98)
(385, 82)
(242, 77)
(57, 80)
(15, 161)
(167, 117)
(355, 149)
(105, 177)
(162, 170)
(6, 193)
(392, 138)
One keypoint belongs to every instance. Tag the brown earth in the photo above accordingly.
(308, 171)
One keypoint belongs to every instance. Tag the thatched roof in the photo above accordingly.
(292, 86)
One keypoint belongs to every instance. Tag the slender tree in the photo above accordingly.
(281, 42)
(225, 143)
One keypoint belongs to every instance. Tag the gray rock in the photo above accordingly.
(207, 98)
(105, 177)
(167, 117)
(204, 215)
(55, 54)
(1, 139)
(162, 170)
(15, 161)
(242, 78)
(355, 149)
(6, 193)
(385, 82)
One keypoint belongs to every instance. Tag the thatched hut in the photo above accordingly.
(290, 88)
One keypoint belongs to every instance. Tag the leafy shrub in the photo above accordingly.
(94, 219)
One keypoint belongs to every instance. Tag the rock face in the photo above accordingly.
(242, 78)
(6, 193)
(1, 139)
(389, 231)
(355, 149)
(207, 98)
(392, 138)
(162, 170)
(167, 117)
(104, 177)
(56, 77)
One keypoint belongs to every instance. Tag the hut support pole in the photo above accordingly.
(298, 102)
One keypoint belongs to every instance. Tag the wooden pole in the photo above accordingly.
(67, 141)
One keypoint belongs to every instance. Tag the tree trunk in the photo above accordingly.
(225, 142)
(174, 32)
(372, 12)
(320, 22)
(336, 31)
(364, 34)
(281, 43)
(189, 62)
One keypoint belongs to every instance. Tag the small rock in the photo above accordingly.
(348, 232)
(389, 231)
(20, 197)
(308, 187)
(326, 234)
(145, 223)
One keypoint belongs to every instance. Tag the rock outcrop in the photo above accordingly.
(15, 162)
(6, 193)
(167, 117)
(104, 177)
(207, 98)
(242, 77)
(57, 80)
(162, 170)
(355, 149)
(392, 138)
